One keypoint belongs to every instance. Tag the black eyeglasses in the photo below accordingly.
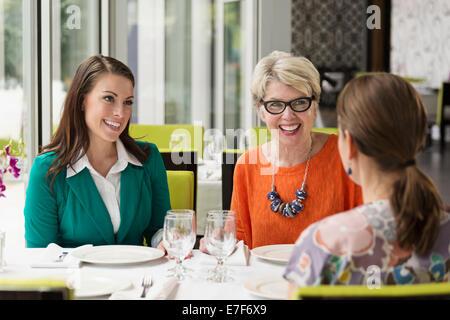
(297, 105)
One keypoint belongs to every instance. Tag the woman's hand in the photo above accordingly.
(161, 247)
(202, 246)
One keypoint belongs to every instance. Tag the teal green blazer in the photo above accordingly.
(74, 213)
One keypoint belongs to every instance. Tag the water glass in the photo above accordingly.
(189, 212)
(179, 239)
(220, 240)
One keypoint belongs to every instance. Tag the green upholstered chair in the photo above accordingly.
(362, 292)
(229, 158)
(162, 135)
(328, 130)
(34, 289)
(181, 189)
(182, 161)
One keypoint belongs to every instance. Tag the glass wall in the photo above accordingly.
(172, 49)
(11, 72)
(75, 37)
(178, 61)
(232, 47)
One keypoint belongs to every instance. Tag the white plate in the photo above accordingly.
(117, 254)
(95, 285)
(269, 287)
(276, 252)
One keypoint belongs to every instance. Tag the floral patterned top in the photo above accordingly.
(355, 246)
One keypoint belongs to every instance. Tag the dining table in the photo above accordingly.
(257, 279)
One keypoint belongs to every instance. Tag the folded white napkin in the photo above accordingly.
(160, 290)
(240, 256)
(55, 256)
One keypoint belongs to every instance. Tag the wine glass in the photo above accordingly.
(189, 212)
(220, 240)
(214, 141)
(179, 239)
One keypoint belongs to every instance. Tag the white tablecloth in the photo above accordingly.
(194, 288)
(209, 191)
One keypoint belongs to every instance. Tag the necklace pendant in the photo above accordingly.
(272, 195)
(296, 206)
(275, 205)
(288, 211)
(300, 194)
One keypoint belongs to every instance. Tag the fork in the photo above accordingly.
(146, 283)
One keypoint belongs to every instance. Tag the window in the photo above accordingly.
(190, 59)
(11, 73)
(75, 37)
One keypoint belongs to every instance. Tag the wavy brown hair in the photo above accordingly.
(387, 120)
(72, 133)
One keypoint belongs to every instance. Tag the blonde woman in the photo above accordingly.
(283, 186)
(400, 235)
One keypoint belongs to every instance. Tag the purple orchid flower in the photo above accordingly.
(2, 187)
(11, 168)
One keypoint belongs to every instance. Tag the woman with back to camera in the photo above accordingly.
(401, 230)
(94, 184)
(282, 186)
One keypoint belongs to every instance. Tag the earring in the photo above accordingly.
(349, 171)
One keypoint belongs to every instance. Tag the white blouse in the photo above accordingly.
(109, 186)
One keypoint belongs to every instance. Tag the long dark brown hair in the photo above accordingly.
(72, 133)
(387, 120)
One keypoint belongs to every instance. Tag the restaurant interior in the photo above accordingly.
(193, 62)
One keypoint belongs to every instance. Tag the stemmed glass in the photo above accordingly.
(220, 240)
(189, 212)
(179, 239)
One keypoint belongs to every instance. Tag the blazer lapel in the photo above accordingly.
(130, 193)
(85, 190)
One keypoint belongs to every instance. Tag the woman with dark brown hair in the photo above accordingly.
(401, 234)
(93, 184)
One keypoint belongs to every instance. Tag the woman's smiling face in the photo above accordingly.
(293, 128)
(108, 107)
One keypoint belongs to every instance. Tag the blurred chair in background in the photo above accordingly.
(183, 137)
(183, 161)
(443, 110)
(229, 159)
(181, 189)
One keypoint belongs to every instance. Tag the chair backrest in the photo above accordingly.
(34, 289)
(411, 291)
(229, 159)
(443, 100)
(182, 161)
(409, 79)
(186, 137)
(328, 130)
(181, 189)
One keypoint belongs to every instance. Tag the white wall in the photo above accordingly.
(420, 40)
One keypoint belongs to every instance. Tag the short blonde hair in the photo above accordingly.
(297, 72)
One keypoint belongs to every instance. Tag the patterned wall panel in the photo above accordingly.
(331, 33)
(420, 39)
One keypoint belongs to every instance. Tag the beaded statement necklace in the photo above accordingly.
(291, 209)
